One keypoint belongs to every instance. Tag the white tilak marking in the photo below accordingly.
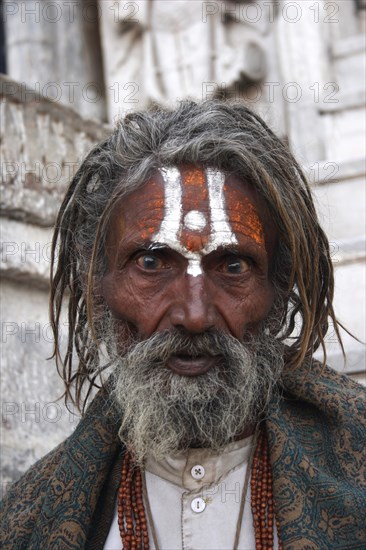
(221, 233)
(195, 220)
(171, 226)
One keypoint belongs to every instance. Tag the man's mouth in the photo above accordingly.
(189, 365)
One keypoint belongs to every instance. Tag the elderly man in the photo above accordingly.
(198, 278)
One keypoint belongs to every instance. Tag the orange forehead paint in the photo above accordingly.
(149, 224)
(243, 216)
(194, 202)
(200, 218)
(195, 192)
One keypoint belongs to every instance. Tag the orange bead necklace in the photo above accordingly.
(262, 496)
(131, 511)
(132, 516)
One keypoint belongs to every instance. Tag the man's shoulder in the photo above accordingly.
(317, 435)
(325, 411)
(314, 378)
(53, 503)
(23, 501)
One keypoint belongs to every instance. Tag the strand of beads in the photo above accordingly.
(131, 512)
(262, 496)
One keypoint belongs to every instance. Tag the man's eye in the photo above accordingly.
(149, 261)
(235, 266)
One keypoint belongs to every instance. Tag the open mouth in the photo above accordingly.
(191, 365)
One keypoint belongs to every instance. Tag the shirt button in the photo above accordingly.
(198, 505)
(197, 472)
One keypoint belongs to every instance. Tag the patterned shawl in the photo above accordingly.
(317, 438)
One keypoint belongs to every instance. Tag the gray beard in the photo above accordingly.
(163, 412)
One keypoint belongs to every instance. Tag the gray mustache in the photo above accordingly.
(161, 346)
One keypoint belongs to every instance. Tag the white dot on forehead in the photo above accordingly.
(194, 220)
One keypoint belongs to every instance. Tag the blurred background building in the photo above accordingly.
(73, 66)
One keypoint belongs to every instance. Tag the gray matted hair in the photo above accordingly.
(214, 133)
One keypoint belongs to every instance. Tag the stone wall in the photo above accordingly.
(53, 46)
(42, 143)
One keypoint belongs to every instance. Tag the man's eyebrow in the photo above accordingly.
(144, 244)
(157, 246)
(238, 249)
(231, 249)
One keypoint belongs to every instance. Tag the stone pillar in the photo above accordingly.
(161, 52)
(54, 47)
(30, 42)
(302, 49)
(41, 145)
(347, 18)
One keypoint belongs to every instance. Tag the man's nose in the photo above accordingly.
(192, 309)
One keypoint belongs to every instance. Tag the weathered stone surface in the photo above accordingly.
(350, 301)
(345, 20)
(305, 75)
(350, 308)
(53, 46)
(25, 252)
(345, 131)
(341, 207)
(327, 171)
(175, 49)
(349, 62)
(42, 143)
(33, 421)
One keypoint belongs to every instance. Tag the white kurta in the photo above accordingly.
(195, 500)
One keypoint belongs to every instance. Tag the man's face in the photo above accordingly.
(188, 273)
(190, 250)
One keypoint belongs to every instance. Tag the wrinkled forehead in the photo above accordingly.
(196, 209)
